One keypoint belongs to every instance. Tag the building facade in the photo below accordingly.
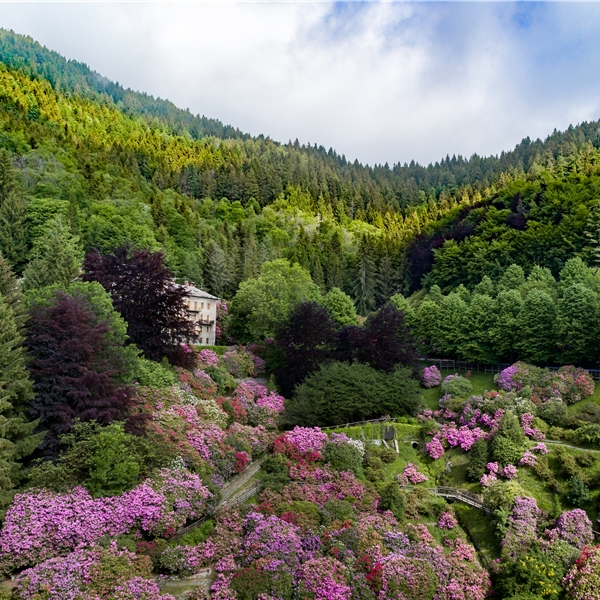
(202, 310)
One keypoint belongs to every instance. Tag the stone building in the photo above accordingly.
(202, 309)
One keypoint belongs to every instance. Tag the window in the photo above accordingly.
(208, 305)
(195, 306)
(207, 340)
(201, 304)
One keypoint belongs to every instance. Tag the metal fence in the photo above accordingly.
(463, 365)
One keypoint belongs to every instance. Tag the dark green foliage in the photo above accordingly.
(344, 393)
(393, 499)
(275, 474)
(478, 458)
(305, 342)
(365, 282)
(198, 535)
(342, 457)
(337, 510)
(251, 583)
(577, 493)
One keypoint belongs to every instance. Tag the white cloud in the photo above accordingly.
(378, 82)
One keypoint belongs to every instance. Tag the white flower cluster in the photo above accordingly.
(360, 446)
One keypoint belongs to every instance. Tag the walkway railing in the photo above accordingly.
(463, 365)
(456, 494)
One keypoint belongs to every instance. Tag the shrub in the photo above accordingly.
(457, 386)
(577, 492)
(431, 377)
(582, 582)
(239, 363)
(342, 457)
(394, 500)
(478, 458)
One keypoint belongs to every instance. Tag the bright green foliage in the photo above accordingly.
(342, 393)
(535, 324)
(457, 387)
(57, 257)
(512, 279)
(262, 304)
(341, 307)
(478, 324)
(450, 331)
(530, 576)
(13, 230)
(106, 460)
(503, 333)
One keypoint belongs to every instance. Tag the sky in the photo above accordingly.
(379, 82)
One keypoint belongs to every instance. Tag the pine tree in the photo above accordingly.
(218, 275)
(13, 230)
(592, 235)
(386, 280)
(11, 292)
(17, 438)
(57, 257)
(364, 284)
(7, 176)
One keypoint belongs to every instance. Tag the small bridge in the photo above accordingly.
(469, 498)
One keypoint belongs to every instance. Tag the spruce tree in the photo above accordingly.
(57, 257)
(13, 230)
(504, 334)
(478, 323)
(11, 292)
(386, 280)
(592, 235)
(17, 438)
(364, 284)
(218, 275)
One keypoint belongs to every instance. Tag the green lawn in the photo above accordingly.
(482, 382)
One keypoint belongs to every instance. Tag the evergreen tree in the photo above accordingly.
(218, 275)
(334, 262)
(478, 459)
(427, 320)
(11, 292)
(535, 327)
(17, 438)
(386, 280)
(13, 230)
(57, 258)
(364, 284)
(512, 279)
(577, 325)
(485, 287)
(592, 236)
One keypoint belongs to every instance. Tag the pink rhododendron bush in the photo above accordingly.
(582, 582)
(431, 377)
(569, 384)
(41, 524)
(93, 573)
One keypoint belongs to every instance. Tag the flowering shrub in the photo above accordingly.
(198, 383)
(521, 532)
(447, 521)
(506, 378)
(323, 579)
(239, 363)
(180, 560)
(208, 358)
(411, 472)
(582, 582)
(90, 574)
(434, 448)
(541, 448)
(492, 467)
(532, 432)
(510, 472)
(261, 407)
(431, 376)
(41, 524)
(488, 480)
(306, 439)
(574, 527)
(529, 459)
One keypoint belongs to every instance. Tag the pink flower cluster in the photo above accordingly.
(262, 407)
(506, 378)
(412, 474)
(208, 358)
(431, 377)
(529, 459)
(521, 533)
(510, 472)
(574, 527)
(541, 448)
(532, 432)
(307, 439)
(41, 524)
(447, 520)
(434, 448)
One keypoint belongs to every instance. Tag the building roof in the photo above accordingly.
(192, 290)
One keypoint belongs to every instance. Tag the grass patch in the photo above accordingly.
(481, 530)
(482, 382)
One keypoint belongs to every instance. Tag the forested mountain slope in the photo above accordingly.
(122, 166)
